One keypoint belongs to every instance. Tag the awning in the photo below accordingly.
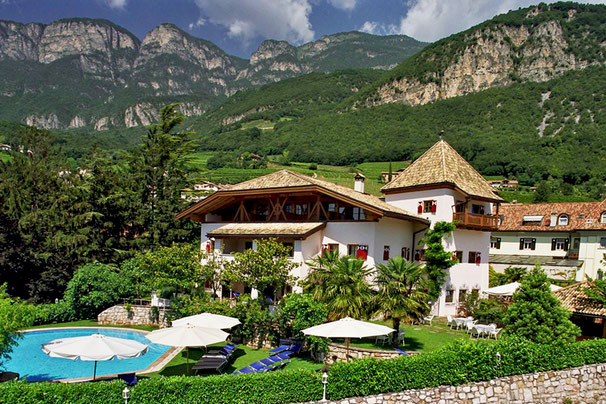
(263, 230)
(531, 260)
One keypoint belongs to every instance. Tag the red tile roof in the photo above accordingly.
(581, 216)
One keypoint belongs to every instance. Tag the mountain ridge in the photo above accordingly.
(120, 80)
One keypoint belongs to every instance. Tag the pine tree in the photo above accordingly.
(537, 314)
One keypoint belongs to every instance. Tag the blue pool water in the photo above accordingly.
(29, 361)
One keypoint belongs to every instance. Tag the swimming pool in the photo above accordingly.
(29, 361)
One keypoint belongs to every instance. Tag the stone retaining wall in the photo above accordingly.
(138, 315)
(585, 384)
(339, 352)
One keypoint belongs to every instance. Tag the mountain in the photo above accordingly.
(532, 44)
(94, 74)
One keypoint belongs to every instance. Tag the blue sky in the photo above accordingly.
(238, 26)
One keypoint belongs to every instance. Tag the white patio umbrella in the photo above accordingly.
(95, 347)
(187, 335)
(510, 288)
(348, 328)
(208, 320)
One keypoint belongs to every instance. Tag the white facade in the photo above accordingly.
(464, 276)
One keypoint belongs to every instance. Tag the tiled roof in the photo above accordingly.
(296, 229)
(512, 259)
(574, 299)
(581, 216)
(287, 179)
(441, 164)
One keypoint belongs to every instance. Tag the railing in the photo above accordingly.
(475, 220)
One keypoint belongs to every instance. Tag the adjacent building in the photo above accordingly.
(314, 215)
(567, 239)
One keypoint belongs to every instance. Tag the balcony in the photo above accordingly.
(475, 221)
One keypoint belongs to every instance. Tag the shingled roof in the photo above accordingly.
(295, 230)
(442, 165)
(575, 300)
(285, 179)
(581, 216)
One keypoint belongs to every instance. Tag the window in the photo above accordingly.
(602, 242)
(462, 295)
(528, 243)
(406, 253)
(603, 217)
(287, 208)
(429, 206)
(385, 253)
(301, 210)
(473, 257)
(479, 209)
(576, 244)
(210, 245)
(358, 213)
(331, 248)
(291, 248)
(449, 295)
(248, 245)
(458, 255)
(419, 255)
(358, 251)
(495, 242)
(563, 220)
(332, 207)
(559, 244)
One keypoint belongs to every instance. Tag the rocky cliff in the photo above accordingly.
(535, 44)
(84, 73)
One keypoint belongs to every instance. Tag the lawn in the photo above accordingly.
(93, 323)
(243, 357)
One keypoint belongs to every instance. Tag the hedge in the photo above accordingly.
(458, 363)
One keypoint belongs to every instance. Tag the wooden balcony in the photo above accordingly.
(475, 221)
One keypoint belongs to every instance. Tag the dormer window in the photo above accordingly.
(563, 220)
(603, 217)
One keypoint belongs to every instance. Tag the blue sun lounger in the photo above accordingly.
(281, 348)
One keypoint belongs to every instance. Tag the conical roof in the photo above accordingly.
(442, 165)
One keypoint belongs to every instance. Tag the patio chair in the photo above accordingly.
(283, 356)
(382, 339)
(470, 325)
(129, 378)
(244, 371)
(449, 321)
(401, 352)
(294, 349)
(428, 319)
(476, 332)
(495, 333)
(258, 366)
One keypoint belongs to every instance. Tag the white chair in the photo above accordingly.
(449, 321)
(401, 335)
(495, 333)
(470, 325)
(428, 319)
(382, 339)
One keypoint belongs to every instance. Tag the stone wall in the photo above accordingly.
(585, 384)
(339, 352)
(137, 315)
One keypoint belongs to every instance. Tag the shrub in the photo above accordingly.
(54, 313)
(461, 362)
(94, 288)
(300, 311)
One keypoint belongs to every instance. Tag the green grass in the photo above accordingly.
(243, 357)
(258, 123)
(93, 323)
(198, 160)
(528, 197)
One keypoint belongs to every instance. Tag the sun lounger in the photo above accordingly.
(281, 348)
(401, 352)
(294, 349)
(129, 378)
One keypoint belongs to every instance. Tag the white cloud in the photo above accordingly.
(116, 3)
(346, 5)
(376, 28)
(430, 20)
(198, 23)
(247, 19)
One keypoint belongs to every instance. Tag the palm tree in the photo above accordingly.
(341, 283)
(404, 291)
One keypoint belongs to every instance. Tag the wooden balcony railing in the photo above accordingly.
(476, 221)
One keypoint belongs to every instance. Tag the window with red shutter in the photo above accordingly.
(362, 252)
(434, 206)
(420, 208)
(385, 253)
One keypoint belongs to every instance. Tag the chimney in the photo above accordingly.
(359, 182)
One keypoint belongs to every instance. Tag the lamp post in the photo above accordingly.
(126, 395)
(324, 382)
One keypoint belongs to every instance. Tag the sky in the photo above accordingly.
(239, 26)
